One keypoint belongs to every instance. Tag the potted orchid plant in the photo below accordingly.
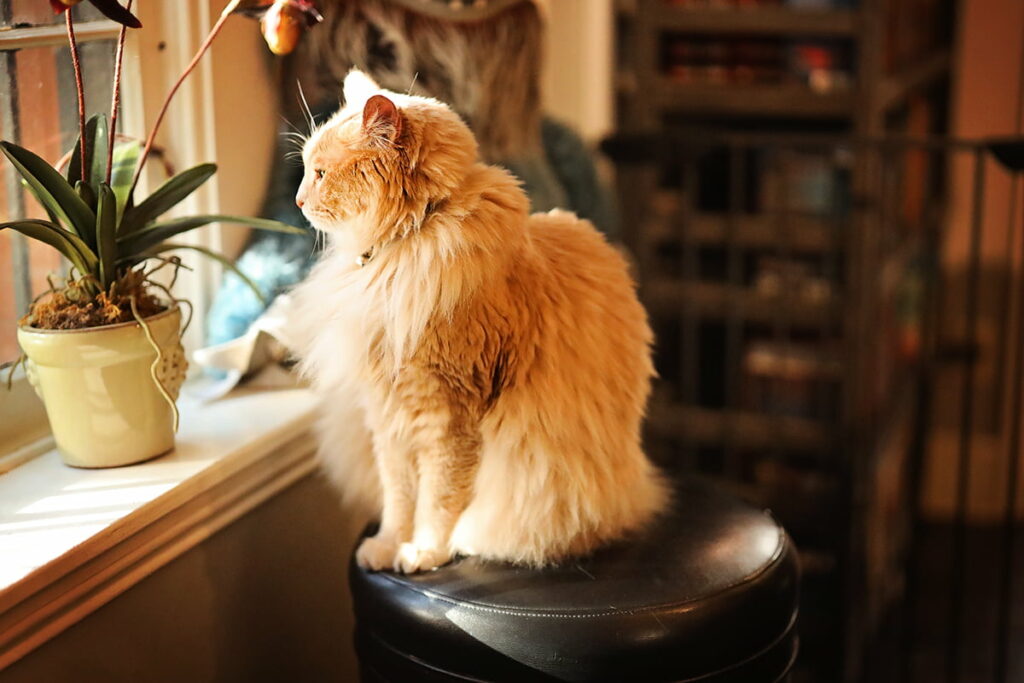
(102, 345)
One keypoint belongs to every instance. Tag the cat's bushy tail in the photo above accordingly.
(346, 455)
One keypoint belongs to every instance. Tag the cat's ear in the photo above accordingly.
(358, 88)
(382, 120)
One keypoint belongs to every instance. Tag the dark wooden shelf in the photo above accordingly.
(790, 100)
(856, 258)
(779, 21)
(715, 300)
(896, 88)
(708, 426)
(798, 233)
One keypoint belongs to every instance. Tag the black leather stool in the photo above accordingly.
(708, 594)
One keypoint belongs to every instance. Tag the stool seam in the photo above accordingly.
(775, 559)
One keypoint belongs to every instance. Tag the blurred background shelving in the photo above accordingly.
(783, 252)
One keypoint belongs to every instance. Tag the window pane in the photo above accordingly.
(47, 123)
(21, 13)
(29, 13)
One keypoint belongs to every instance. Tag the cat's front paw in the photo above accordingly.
(376, 553)
(412, 558)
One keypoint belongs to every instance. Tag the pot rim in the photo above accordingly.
(99, 328)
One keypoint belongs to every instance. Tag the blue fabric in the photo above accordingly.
(564, 177)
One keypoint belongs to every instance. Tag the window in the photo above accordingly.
(38, 110)
(225, 112)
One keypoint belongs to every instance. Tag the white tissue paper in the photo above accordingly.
(255, 356)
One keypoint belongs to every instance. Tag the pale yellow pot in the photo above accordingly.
(104, 408)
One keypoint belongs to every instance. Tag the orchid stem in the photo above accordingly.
(174, 89)
(76, 61)
(115, 97)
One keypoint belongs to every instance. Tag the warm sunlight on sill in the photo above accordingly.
(72, 539)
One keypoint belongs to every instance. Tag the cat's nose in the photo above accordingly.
(299, 202)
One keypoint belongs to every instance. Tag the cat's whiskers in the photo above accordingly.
(291, 125)
(318, 237)
(305, 104)
(296, 140)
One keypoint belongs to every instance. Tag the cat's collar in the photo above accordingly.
(431, 208)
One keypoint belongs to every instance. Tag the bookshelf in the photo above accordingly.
(778, 245)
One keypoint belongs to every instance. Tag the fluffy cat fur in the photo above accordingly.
(483, 372)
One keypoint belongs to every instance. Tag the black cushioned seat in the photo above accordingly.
(709, 593)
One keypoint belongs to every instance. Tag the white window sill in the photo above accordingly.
(73, 539)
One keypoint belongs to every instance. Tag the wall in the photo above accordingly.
(246, 121)
(987, 81)
(266, 599)
(987, 75)
(578, 70)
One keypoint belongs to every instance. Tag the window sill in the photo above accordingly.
(72, 539)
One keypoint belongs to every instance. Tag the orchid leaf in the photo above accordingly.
(74, 171)
(155, 233)
(49, 212)
(68, 244)
(52, 190)
(165, 197)
(86, 194)
(89, 197)
(126, 156)
(106, 234)
(96, 160)
(95, 164)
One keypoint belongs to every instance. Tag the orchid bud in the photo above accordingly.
(282, 26)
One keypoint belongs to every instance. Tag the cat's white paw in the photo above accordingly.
(413, 558)
(376, 553)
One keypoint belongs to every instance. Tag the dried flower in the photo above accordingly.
(282, 22)
(281, 27)
(111, 9)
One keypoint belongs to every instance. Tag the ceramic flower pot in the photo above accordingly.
(97, 384)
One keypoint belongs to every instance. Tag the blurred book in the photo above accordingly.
(792, 379)
(824, 66)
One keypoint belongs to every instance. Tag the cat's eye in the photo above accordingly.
(319, 173)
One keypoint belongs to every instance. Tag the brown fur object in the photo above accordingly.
(488, 71)
(498, 362)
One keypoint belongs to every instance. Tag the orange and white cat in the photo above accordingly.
(483, 372)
